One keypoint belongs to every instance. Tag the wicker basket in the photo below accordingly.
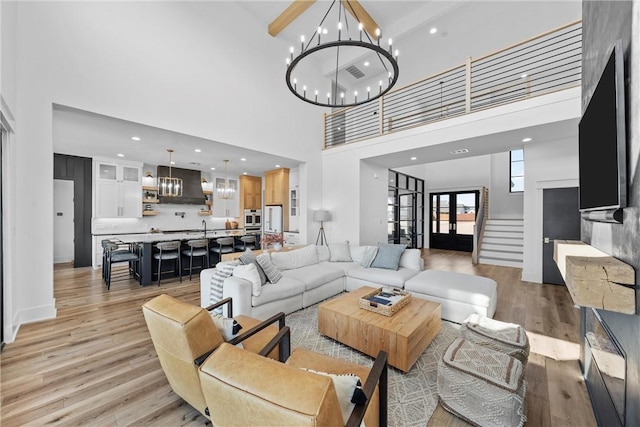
(386, 310)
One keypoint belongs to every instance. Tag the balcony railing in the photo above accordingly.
(543, 64)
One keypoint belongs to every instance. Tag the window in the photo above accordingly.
(516, 171)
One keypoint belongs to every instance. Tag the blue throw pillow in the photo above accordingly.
(388, 256)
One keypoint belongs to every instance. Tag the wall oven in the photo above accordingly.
(252, 218)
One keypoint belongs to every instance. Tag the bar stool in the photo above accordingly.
(106, 247)
(224, 246)
(199, 248)
(247, 242)
(168, 251)
(114, 254)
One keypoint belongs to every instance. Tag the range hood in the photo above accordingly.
(191, 186)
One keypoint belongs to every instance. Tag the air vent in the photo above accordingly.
(460, 151)
(355, 71)
(194, 163)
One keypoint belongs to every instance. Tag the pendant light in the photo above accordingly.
(169, 186)
(225, 191)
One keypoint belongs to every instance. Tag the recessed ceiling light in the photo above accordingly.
(524, 75)
(366, 63)
(213, 169)
(460, 151)
(197, 150)
(527, 139)
(135, 138)
(244, 173)
(277, 166)
(243, 159)
(433, 30)
(172, 162)
(414, 158)
(120, 155)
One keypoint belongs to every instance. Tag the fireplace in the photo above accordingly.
(605, 370)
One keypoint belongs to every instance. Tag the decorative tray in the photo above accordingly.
(385, 301)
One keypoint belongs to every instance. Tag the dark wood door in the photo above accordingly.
(560, 220)
(453, 216)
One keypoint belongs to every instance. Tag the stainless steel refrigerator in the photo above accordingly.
(272, 219)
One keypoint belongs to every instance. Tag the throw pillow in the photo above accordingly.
(295, 259)
(411, 258)
(388, 256)
(221, 272)
(249, 257)
(250, 272)
(339, 252)
(323, 253)
(227, 327)
(348, 391)
(273, 274)
(368, 256)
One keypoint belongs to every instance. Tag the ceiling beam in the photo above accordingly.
(289, 15)
(358, 12)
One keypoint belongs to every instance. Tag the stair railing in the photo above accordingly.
(478, 227)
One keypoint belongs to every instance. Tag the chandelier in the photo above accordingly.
(225, 191)
(169, 186)
(345, 46)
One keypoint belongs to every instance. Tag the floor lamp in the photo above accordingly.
(321, 217)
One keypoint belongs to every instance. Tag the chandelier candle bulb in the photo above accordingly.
(390, 45)
(360, 27)
(319, 34)
(301, 43)
(355, 94)
(304, 91)
(339, 30)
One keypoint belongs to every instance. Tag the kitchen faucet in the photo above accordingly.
(204, 224)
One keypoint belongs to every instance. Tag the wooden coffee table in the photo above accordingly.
(404, 336)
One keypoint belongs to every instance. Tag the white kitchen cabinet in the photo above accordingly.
(291, 238)
(226, 207)
(118, 189)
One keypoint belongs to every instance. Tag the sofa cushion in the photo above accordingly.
(449, 285)
(342, 266)
(382, 276)
(272, 272)
(315, 275)
(339, 252)
(388, 256)
(286, 287)
(298, 258)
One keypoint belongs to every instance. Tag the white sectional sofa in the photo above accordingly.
(310, 276)
(305, 282)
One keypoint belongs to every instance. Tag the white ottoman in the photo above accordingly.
(459, 294)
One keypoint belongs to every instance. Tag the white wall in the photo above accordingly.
(502, 203)
(470, 173)
(373, 204)
(551, 164)
(181, 66)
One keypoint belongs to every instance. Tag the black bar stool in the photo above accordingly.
(116, 253)
(197, 248)
(168, 251)
(223, 245)
(246, 242)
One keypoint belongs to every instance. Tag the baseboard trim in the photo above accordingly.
(36, 314)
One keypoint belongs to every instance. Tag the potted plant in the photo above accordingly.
(275, 240)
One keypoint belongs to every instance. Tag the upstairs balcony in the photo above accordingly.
(547, 63)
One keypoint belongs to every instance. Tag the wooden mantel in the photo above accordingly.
(594, 278)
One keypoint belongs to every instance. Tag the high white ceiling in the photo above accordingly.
(82, 133)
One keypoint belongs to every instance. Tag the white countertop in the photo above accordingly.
(174, 235)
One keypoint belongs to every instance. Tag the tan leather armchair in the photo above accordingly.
(244, 389)
(184, 335)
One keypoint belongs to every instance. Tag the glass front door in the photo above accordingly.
(453, 217)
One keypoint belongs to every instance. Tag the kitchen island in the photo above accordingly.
(146, 242)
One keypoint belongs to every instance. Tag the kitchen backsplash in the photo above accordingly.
(165, 220)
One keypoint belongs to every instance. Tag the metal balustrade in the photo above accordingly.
(541, 65)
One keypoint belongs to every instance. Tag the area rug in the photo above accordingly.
(412, 396)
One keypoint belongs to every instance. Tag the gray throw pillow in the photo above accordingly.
(272, 272)
(249, 257)
(388, 256)
(339, 252)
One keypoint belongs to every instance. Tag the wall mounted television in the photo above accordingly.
(602, 141)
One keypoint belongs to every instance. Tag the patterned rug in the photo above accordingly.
(412, 396)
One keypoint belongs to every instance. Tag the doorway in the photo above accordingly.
(405, 209)
(453, 217)
(560, 220)
(63, 221)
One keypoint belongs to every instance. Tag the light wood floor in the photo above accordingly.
(95, 363)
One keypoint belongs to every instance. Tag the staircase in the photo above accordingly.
(502, 243)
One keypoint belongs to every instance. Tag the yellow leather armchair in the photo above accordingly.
(184, 335)
(244, 389)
